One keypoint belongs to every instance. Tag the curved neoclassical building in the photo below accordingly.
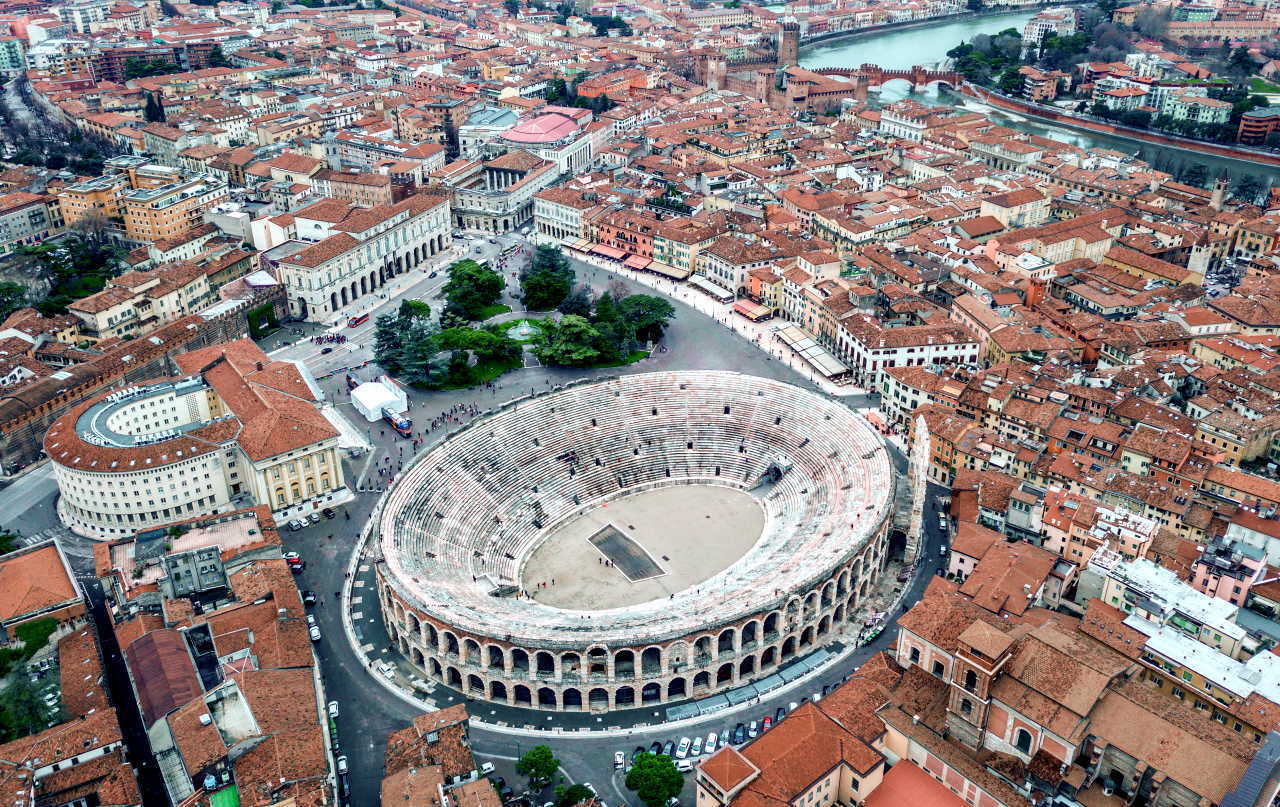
(459, 528)
(235, 428)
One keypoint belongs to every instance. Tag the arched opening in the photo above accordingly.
(547, 697)
(598, 698)
(546, 663)
(572, 699)
(724, 644)
(496, 657)
(519, 660)
(453, 678)
(675, 688)
(1022, 741)
(433, 667)
(746, 667)
(570, 664)
(625, 696)
(651, 661)
(450, 644)
(770, 625)
(522, 696)
(768, 658)
(498, 691)
(624, 664)
(724, 675)
(789, 647)
(474, 684)
(651, 693)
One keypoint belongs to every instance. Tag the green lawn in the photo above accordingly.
(1262, 85)
(490, 311)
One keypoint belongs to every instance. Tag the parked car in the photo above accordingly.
(333, 709)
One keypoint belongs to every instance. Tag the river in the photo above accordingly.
(928, 46)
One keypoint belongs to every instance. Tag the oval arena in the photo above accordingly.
(677, 534)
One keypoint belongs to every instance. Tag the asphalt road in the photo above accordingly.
(369, 712)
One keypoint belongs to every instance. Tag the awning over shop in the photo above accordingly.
(608, 252)
(636, 261)
(809, 350)
(751, 310)
(666, 270)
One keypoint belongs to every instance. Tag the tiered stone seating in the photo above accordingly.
(479, 502)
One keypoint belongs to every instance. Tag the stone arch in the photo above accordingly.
(651, 693)
(571, 699)
(498, 691)
(624, 696)
(546, 663)
(624, 664)
(651, 661)
(676, 688)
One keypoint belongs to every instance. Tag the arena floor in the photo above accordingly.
(690, 532)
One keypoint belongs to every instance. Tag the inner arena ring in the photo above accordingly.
(458, 525)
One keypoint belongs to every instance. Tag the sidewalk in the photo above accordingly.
(759, 333)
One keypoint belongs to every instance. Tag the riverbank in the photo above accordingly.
(943, 19)
(1068, 120)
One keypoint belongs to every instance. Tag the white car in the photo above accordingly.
(682, 750)
(314, 633)
(333, 709)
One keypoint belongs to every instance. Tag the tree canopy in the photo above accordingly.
(548, 280)
(471, 288)
(654, 779)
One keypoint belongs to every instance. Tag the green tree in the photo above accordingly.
(548, 280)
(648, 315)
(470, 289)
(578, 302)
(571, 342)
(538, 765)
(12, 297)
(655, 779)
(573, 794)
(217, 58)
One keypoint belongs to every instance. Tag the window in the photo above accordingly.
(1022, 741)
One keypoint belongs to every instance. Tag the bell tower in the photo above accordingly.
(982, 651)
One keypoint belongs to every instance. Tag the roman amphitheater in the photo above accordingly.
(640, 540)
